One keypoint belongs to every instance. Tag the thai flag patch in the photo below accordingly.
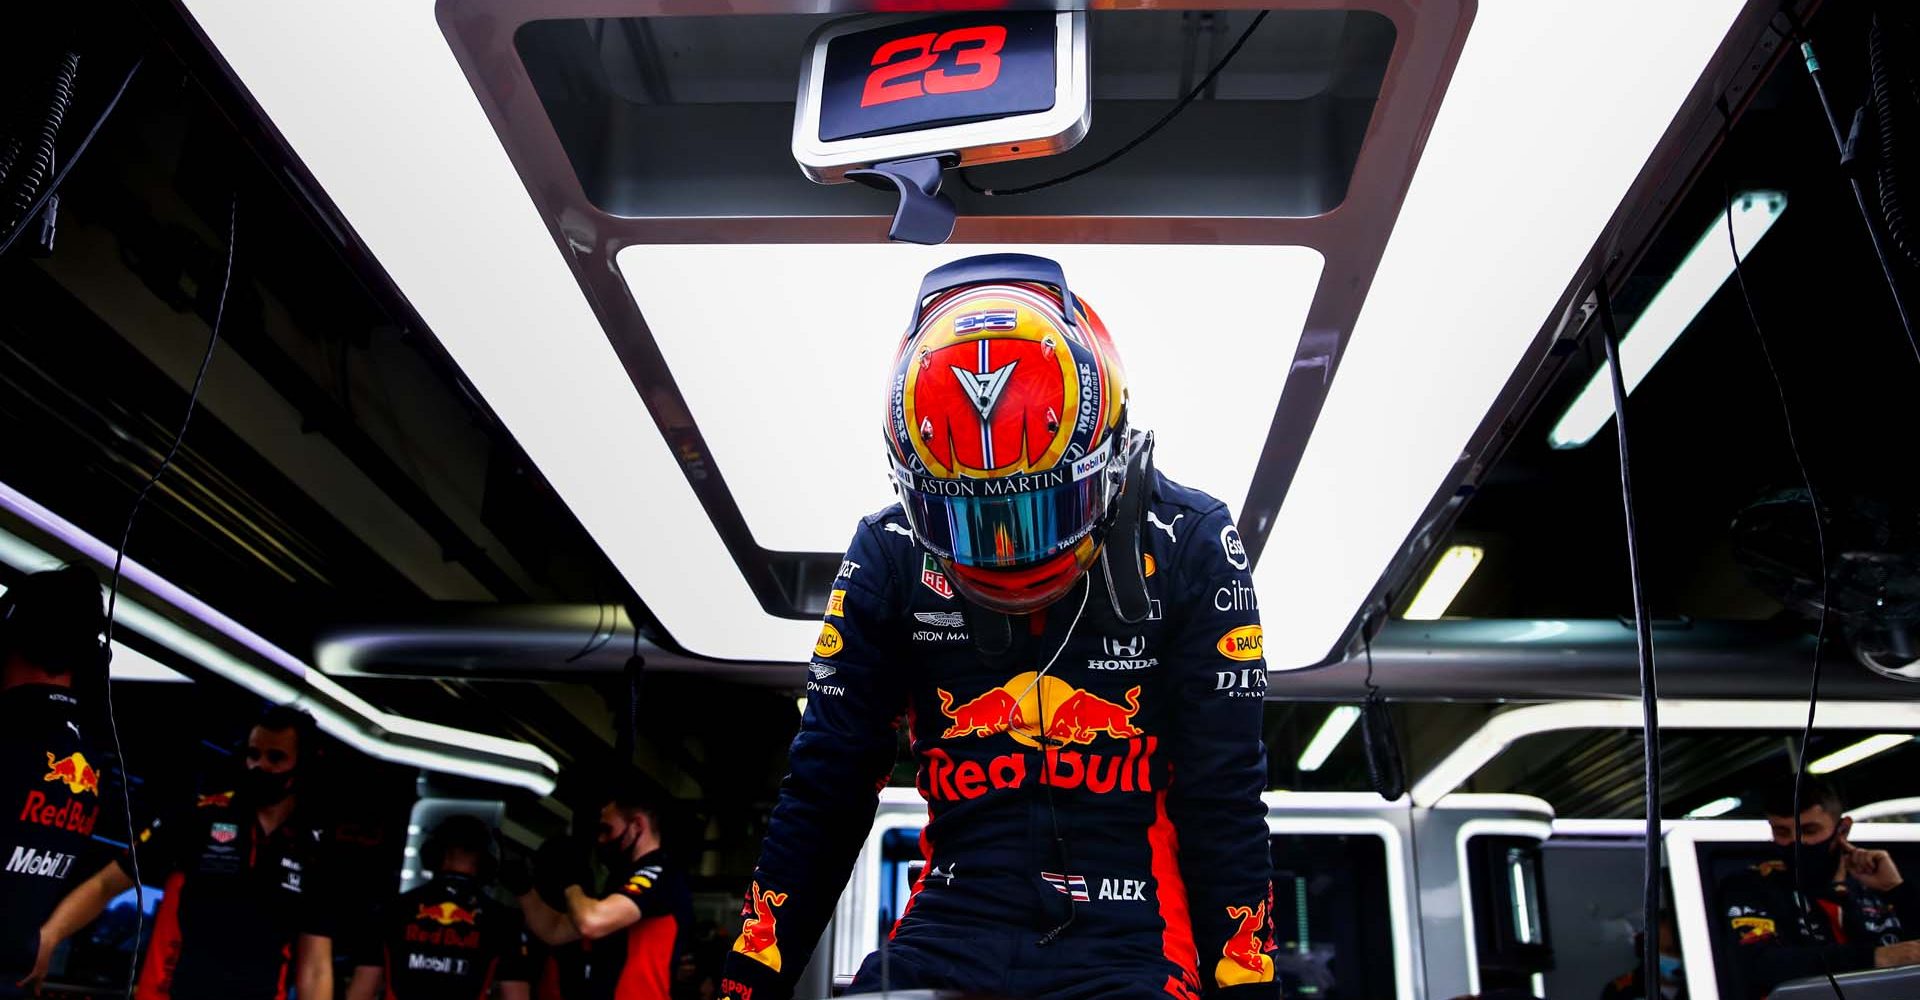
(986, 322)
(1069, 885)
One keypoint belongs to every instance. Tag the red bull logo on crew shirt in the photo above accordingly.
(451, 918)
(447, 914)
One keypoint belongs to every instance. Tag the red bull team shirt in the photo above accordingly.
(236, 901)
(53, 806)
(635, 963)
(447, 940)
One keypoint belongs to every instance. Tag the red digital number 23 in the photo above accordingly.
(914, 76)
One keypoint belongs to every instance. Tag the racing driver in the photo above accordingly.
(1074, 643)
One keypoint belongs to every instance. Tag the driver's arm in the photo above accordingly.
(1219, 762)
(836, 766)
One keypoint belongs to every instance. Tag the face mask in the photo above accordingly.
(1669, 966)
(618, 852)
(264, 788)
(1815, 873)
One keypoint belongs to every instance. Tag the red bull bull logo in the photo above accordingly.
(994, 712)
(1243, 959)
(1084, 715)
(74, 772)
(759, 936)
(1042, 711)
(447, 914)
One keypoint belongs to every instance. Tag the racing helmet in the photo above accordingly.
(1007, 428)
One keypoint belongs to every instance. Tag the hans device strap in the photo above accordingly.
(1121, 557)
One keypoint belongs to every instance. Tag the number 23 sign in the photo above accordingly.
(976, 49)
(978, 86)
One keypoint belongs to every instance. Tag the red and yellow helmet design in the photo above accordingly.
(1007, 424)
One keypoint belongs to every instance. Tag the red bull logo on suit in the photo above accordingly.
(1042, 712)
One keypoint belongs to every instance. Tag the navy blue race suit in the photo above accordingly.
(1094, 831)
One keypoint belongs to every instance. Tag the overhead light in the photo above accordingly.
(1254, 313)
(1671, 310)
(1856, 753)
(1449, 574)
(1339, 722)
(1504, 728)
(1718, 807)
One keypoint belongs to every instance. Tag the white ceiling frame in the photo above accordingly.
(1496, 221)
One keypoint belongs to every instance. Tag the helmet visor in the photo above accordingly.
(1007, 523)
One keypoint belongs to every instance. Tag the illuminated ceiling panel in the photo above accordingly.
(1534, 148)
(787, 378)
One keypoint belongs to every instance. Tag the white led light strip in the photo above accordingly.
(1670, 312)
(1504, 728)
(1496, 221)
(279, 676)
(1908, 806)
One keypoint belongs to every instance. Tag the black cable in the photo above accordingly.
(1366, 646)
(1643, 635)
(1178, 107)
(120, 554)
(594, 639)
(85, 141)
(1820, 543)
(1814, 72)
(39, 163)
(1887, 172)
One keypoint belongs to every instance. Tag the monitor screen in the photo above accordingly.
(1331, 921)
